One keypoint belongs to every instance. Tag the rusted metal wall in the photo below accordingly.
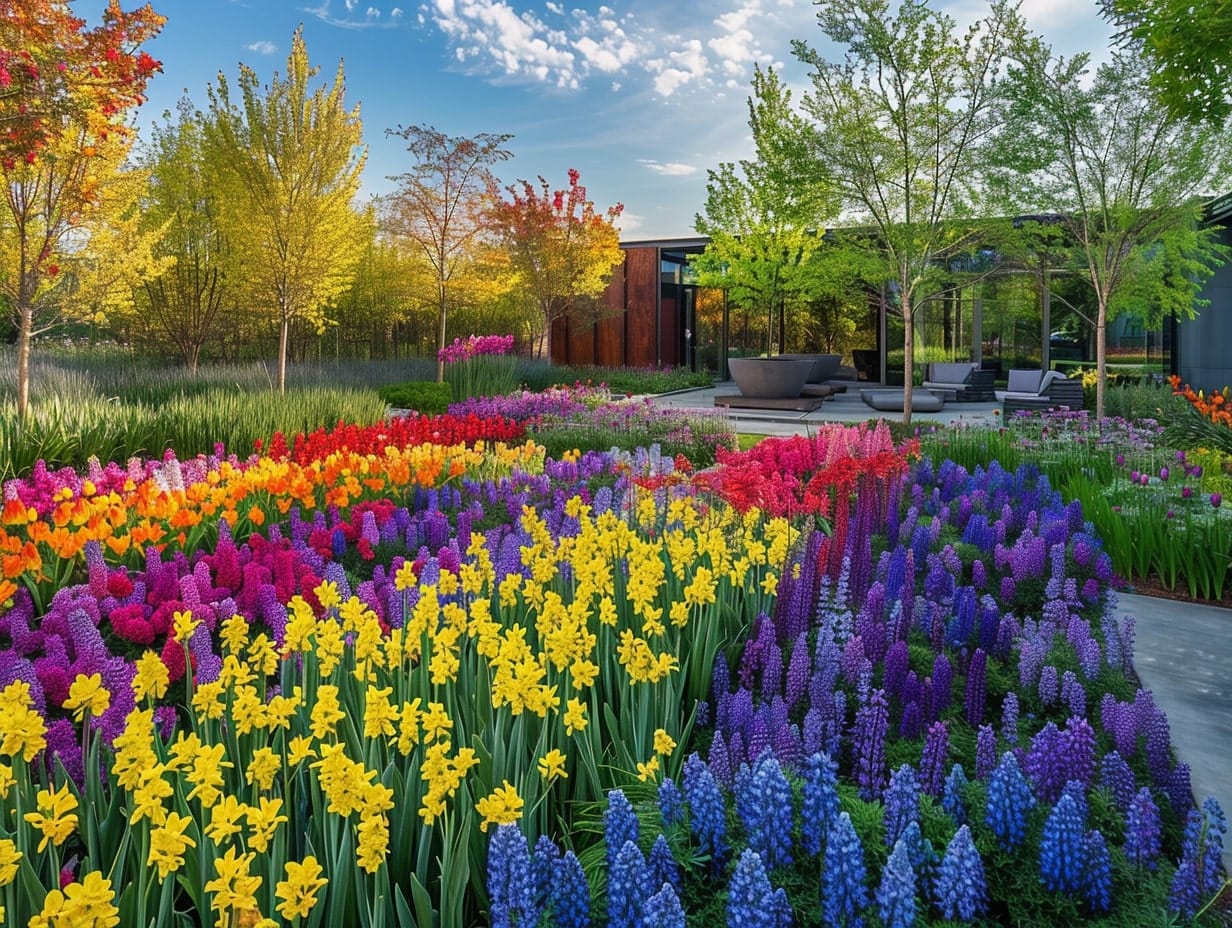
(626, 337)
(641, 299)
(610, 330)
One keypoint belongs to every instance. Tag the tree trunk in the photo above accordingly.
(283, 336)
(1101, 357)
(25, 328)
(440, 336)
(908, 354)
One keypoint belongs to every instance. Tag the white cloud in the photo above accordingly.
(629, 222)
(373, 13)
(263, 47)
(555, 8)
(395, 13)
(670, 168)
(350, 4)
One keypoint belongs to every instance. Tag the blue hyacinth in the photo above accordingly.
(960, 890)
(619, 825)
(896, 892)
(1061, 847)
(707, 811)
(511, 887)
(954, 796)
(1009, 800)
(662, 865)
(628, 887)
(663, 910)
(543, 865)
(843, 893)
(751, 901)
(671, 803)
(570, 898)
(1097, 873)
(818, 800)
(902, 802)
(764, 801)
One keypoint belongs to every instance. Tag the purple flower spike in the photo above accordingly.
(1216, 500)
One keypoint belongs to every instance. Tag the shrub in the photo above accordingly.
(425, 396)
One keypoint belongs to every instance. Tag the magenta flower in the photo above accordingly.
(1216, 500)
(1163, 474)
(1186, 492)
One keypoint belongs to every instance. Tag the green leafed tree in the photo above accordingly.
(290, 158)
(182, 309)
(439, 206)
(900, 124)
(1189, 46)
(765, 216)
(1121, 176)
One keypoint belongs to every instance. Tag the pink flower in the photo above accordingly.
(1216, 500)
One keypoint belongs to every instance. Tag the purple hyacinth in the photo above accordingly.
(902, 803)
(960, 891)
(843, 893)
(1009, 801)
(511, 887)
(751, 901)
(868, 746)
(1062, 857)
(895, 894)
(1143, 830)
(973, 704)
(935, 758)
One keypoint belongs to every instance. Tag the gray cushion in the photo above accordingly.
(950, 372)
(892, 400)
(1021, 381)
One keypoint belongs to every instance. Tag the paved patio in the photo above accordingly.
(1183, 651)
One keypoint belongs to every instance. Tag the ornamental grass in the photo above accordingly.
(471, 684)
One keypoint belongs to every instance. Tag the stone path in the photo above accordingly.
(1182, 653)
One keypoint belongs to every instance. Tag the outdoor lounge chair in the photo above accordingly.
(963, 381)
(1056, 392)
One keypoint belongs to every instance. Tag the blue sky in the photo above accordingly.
(642, 97)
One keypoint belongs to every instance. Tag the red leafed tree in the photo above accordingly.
(64, 92)
(56, 74)
(561, 249)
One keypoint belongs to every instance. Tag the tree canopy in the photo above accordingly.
(296, 154)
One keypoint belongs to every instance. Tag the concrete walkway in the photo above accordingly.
(1183, 651)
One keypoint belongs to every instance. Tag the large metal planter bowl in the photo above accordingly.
(825, 366)
(770, 378)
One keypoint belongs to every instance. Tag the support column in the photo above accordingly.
(1045, 322)
(977, 328)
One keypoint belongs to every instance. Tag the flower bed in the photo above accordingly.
(343, 705)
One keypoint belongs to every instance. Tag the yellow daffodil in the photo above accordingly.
(10, 857)
(552, 765)
(56, 816)
(183, 625)
(168, 843)
(152, 677)
(87, 695)
(298, 891)
(234, 889)
(500, 807)
(663, 743)
(575, 716)
(648, 770)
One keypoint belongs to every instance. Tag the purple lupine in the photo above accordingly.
(1049, 685)
(934, 758)
(1062, 858)
(1009, 718)
(954, 796)
(819, 805)
(868, 746)
(1009, 801)
(1143, 830)
(1180, 789)
(943, 684)
(628, 886)
(1073, 695)
(843, 893)
(894, 670)
(1079, 749)
(985, 752)
(1045, 763)
(895, 894)
(798, 671)
(976, 689)
(511, 888)
(1116, 776)
(902, 803)
(960, 891)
